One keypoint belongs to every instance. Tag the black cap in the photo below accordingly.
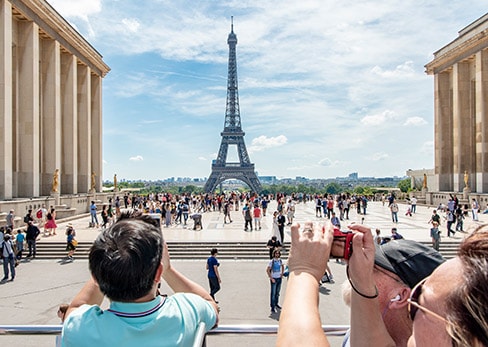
(410, 260)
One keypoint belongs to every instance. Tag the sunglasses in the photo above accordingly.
(414, 306)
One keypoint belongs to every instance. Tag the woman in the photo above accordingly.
(450, 306)
(70, 241)
(167, 215)
(275, 271)
(50, 226)
(104, 214)
(276, 230)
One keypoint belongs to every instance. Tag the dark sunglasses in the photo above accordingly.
(414, 306)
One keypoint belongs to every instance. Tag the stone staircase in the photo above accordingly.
(201, 250)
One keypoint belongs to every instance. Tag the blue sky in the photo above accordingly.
(326, 87)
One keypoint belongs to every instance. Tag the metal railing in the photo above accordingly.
(200, 338)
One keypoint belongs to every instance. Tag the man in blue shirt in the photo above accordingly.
(93, 214)
(213, 273)
(127, 263)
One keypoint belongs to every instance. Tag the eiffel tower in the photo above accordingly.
(232, 134)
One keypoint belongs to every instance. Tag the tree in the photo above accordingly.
(405, 185)
(333, 188)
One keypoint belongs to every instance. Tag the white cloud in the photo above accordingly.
(332, 79)
(379, 119)
(137, 158)
(202, 158)
(263, 142)
(325, 162)
(78, 8)
(131, 24)
(378, 156)
(415, 121)
(404, 70)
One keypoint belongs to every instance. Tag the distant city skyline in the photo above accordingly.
(325, 89)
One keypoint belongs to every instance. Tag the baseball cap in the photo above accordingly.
(410, 260)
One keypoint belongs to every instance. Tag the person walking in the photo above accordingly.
(475, 209)
(394, 212)
(273, 244)
(246, 211)
(227, 211)
(213, 273)
(257, 217)
(413, 202)
(19, 242)
(281, 226)
(435, 234)
(93, 214)
(50, 226)
(31, 235)
(71, 242)
(8, 258)
(451, 218)
(10, 218)
(275, 271)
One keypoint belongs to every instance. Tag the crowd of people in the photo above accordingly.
(400, 292)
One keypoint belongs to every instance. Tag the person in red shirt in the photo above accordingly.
(257, 217)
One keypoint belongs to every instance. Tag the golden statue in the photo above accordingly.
(55, 184)
(115, 181)
(466, 178)
(93, 180)
(424, 184)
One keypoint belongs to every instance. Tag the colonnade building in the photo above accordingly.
(50, 104)
(460, 71)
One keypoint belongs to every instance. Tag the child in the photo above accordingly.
(20, 243)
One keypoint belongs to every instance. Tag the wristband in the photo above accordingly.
(357, 291)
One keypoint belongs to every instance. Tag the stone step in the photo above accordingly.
(201, 250)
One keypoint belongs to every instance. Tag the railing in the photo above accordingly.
(330, 330)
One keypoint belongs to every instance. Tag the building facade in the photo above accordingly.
(50, 104)
(460, 71)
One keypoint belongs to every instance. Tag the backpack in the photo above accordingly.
(39, 214)
(26, 219)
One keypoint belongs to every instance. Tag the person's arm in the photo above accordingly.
(181, 284)
(268, 271)
(90, 294)
(300, 323)
(367, 326)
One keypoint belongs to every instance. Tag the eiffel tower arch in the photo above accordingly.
(232, 134)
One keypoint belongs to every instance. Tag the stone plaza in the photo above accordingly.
(41, 285)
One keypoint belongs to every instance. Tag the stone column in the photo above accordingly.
(96, 130)
(69, 123)
(50, 112)
(443, 129)
(463, 124)
(5, 100)
(84, 127)
(482, 122)
(28, 110)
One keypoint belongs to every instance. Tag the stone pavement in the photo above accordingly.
(41, 285)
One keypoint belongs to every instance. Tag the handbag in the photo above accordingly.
(74, 242)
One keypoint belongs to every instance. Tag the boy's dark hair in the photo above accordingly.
(124, 258)
(214, 251)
